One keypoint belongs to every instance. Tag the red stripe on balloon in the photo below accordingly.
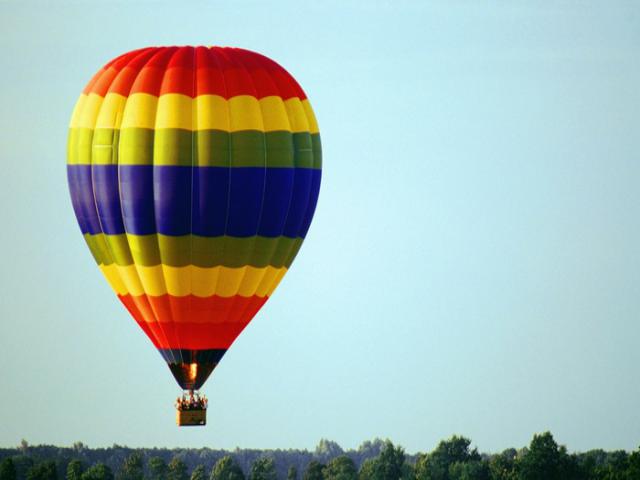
(193, 71)
(192, 322)
(198, 336)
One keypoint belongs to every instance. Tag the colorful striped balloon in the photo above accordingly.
(194, 174)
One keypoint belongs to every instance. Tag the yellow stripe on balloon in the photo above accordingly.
(297, 115)
(111, 111)
(191, 280)
(110, 272)
(131, 279)
(77, 108)
(244, 113)
(270, 283)
(311, 117)
(174, 111)
(274, 114)
(86, 111)
(140, 111)
(204, 112)
(212, 112)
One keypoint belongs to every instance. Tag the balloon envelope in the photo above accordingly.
(194, 174)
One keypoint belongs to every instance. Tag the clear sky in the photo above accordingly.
(473, 266)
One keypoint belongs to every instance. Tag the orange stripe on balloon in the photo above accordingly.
(191, 322)
(199, 336)
(223, 71)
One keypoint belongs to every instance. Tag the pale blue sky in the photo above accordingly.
(473, 266)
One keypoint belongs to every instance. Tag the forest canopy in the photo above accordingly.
(452, 459)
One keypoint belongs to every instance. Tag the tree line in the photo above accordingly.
(452, 459)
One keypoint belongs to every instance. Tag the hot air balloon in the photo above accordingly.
(194, 174)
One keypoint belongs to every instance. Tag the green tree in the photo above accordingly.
(132, 468)
(292, 473)
(198, 473)
(177, 470)
(545, 460)
(633, 471)
(421, 469)
(435, 466)
(503, 465)
(99, 471)
(22, 464)
(471, 470)
(408, 471)
(340, 468)
(7, 470)
(390, 463)
(74, 470)
(226, 469)
(600, 465)
(590, 462)
(313, 471)
(616, 465)
(326, 450)
(263, 469)
(157, 468)
(43, 471)
(367, 469)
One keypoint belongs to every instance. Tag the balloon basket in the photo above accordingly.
(191, 418)
(191, 410)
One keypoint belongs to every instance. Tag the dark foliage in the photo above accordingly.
(227, 469)
(7, 469)
(313, 471)
(99, 471)
(452, 459)
(340, 468)
(43, 471)
(177, 470)
(263, 469)
(74, 470)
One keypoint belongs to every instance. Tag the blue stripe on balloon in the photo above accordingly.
(137, 197)
(206, 201)
(107, 199)
(298, 208)
(313, 202)
(210, 356)
(79, 180)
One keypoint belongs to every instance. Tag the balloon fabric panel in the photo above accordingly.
(194, 174)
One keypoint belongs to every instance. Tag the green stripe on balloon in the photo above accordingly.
(204, 252)
(215, 148)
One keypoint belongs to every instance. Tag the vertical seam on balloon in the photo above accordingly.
(156, 315)
(292, 249)
(227, 52)
(215, 51)
(171, 323)
(150, 304)
(194, 126)
(309, 210)
(294, 168)
(93, 192)
(239, 315)
(159, 52)
(244, 311)
(80, 106)
(239, 61)
(134, 299)
(94, 197)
